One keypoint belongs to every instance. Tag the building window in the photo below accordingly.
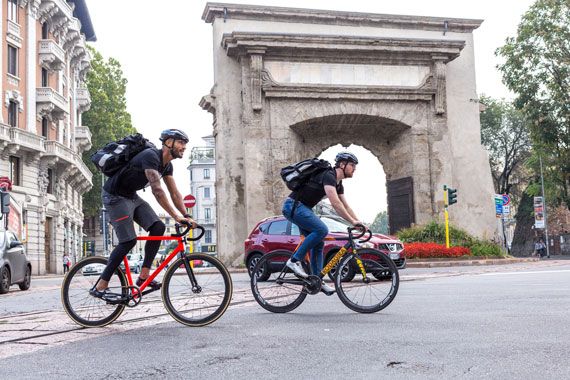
(50, 181)
(45, 129)
(206, 173)
(12, 60)
(13, 114)
(190, 175)
(207, 193)
(208, 237)
(13, 10)
(207, 213)
(15, 170)
(44, 77)
(45, 34)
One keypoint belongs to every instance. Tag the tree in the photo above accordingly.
(107, 118)
(504, 132)
(380, 224)
(537, 69)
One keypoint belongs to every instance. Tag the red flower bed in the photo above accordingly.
(427, 250)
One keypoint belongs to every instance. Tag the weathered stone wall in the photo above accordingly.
(290, 83)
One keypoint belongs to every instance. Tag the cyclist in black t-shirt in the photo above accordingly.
(125, 207)
(297, 208)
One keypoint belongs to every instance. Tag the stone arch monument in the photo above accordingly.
(290, 83)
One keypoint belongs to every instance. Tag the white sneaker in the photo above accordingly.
(297, 268)
(328, 290)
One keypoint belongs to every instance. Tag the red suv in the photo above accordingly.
(277, 233)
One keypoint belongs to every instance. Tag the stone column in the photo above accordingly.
(256, 142)
(31, 43)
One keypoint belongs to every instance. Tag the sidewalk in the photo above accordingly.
(434, 263)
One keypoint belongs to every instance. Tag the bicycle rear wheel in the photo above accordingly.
(371, 294)
(83, 308)
(282, 291)
(203, 304)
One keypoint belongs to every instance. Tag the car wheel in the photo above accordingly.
(347, 274)
(252, 262)
(25, 285)
(4, 280)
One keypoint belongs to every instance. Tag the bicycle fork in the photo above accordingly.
(195, 287)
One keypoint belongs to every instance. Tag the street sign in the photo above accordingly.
(506, 199)
(498, 205)
(538, 212)
(506, 210)
(189, 201)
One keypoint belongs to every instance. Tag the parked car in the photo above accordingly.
(277, 233)
(135, 262)
(15, 268)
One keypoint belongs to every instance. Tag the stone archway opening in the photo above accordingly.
(366, 191)
(381, 142)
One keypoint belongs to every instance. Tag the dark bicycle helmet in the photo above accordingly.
(346, 156)
(175, 134)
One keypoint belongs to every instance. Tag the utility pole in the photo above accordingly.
(544, 205)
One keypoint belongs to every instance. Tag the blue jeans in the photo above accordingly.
(314, 230)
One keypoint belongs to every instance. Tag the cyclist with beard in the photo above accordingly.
(297, 208)
(125, 207)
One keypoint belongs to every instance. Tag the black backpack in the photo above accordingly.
(297, 175)
(116, 155)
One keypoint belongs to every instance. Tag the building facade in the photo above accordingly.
(203, 186)
(44, 63)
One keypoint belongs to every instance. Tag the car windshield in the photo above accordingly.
(334, 225)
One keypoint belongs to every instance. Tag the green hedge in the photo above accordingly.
(434, 232)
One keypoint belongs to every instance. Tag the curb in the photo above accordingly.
(460, 263)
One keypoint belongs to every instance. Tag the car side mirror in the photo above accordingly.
(15, 243)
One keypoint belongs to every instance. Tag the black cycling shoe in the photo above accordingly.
(153, 284)
(105, 295)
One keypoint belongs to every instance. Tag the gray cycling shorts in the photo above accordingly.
(124, 211)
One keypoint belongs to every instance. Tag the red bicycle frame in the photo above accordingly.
(179, 248)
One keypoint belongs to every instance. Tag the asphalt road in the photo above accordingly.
(479, 322)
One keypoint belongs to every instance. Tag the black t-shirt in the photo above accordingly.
(314, 190)
(127, 181)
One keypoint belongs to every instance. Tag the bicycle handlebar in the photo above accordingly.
(358, 227)
(368, 238)
(178, 233)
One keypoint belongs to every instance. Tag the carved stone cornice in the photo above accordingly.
(335, 18)
(342, 49)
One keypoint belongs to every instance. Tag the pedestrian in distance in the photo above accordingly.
(66, 263)
(125, 207)
(297, 208)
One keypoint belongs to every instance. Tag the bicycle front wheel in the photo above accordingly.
(274, 286)
(204, 303)
(83, 308)
(370, 293)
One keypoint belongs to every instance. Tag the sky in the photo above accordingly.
(165, 50)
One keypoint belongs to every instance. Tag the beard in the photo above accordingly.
(177, 153)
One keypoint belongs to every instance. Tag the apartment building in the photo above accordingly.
(203, 186)
(44, 63)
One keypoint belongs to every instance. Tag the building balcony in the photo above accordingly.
(69, 164)
(52, 56)
(51, 104)
(15, 140)
(83, 138)
(83, 99)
